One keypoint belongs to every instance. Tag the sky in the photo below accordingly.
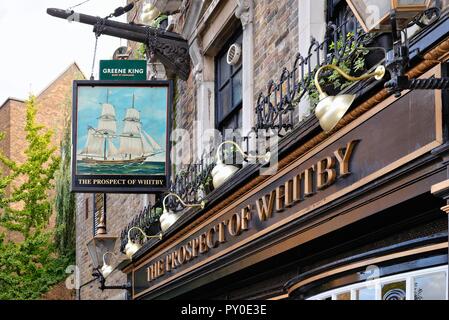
(35, 48)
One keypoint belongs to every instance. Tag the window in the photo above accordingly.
(394, 291)
(430, 286)
(228, 88)
(367, 293)
(426, 284)
(336, 10)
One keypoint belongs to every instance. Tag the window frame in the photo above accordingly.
(377, 283)
(332, 6)
(220, 118)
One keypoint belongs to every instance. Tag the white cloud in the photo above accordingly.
(36, 47)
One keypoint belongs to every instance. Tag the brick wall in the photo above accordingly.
(13, 141)
(185, 113)
(11, 114)
(5, 127)
(275, 41)
(276, 44)
(53, 107)
(120, 210)
(54, 103)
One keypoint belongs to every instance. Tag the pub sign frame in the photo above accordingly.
(118, 136)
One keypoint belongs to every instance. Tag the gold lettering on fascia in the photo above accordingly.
(304, 184)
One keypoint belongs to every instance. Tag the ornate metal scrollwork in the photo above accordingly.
(276, 108)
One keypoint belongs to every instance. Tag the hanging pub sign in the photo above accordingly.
(123, 70)
(120, 136)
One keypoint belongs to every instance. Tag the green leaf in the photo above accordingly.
(30, 266)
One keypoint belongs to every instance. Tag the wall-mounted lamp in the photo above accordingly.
(101, 277)
(331, 109)
(222, 172)
(169, 217)
(395, 16)
(131, 247)
(106, 269)
(149, 13)
(98, 247)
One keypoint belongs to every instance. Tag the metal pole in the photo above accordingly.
(88, 19)
(171, 49)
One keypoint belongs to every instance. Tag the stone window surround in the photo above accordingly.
(205, 37)
(212, 29)
(311, 23)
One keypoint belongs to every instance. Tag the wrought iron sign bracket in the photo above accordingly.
(397, 59)
(169, 47)
(99, 276)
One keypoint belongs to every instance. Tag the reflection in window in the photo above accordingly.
(425, 284)
(430, 287)
(368, 293)
(344, 296)
(394, 291)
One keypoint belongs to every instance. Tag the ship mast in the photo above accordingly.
(105, 139)
(130, 139)
(105, 134)
(107, 126)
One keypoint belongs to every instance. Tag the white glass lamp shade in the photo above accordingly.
(106, 270)
(222, 172)
(131, 248)
(167, 219)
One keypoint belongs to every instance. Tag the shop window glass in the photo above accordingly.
(367, 293)
(344, 296)
(430, 287)
(428, 284)
(394, 291)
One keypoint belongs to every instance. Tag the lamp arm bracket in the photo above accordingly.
(143, 233)
(100, 278)
(126, 286)
(202, 204)
(378, 74)
(220, 147)
(239, 149)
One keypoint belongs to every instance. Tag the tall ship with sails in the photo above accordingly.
(136, 146)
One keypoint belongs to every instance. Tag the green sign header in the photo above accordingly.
(123, 70)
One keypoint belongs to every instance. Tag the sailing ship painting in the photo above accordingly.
(121, 131)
